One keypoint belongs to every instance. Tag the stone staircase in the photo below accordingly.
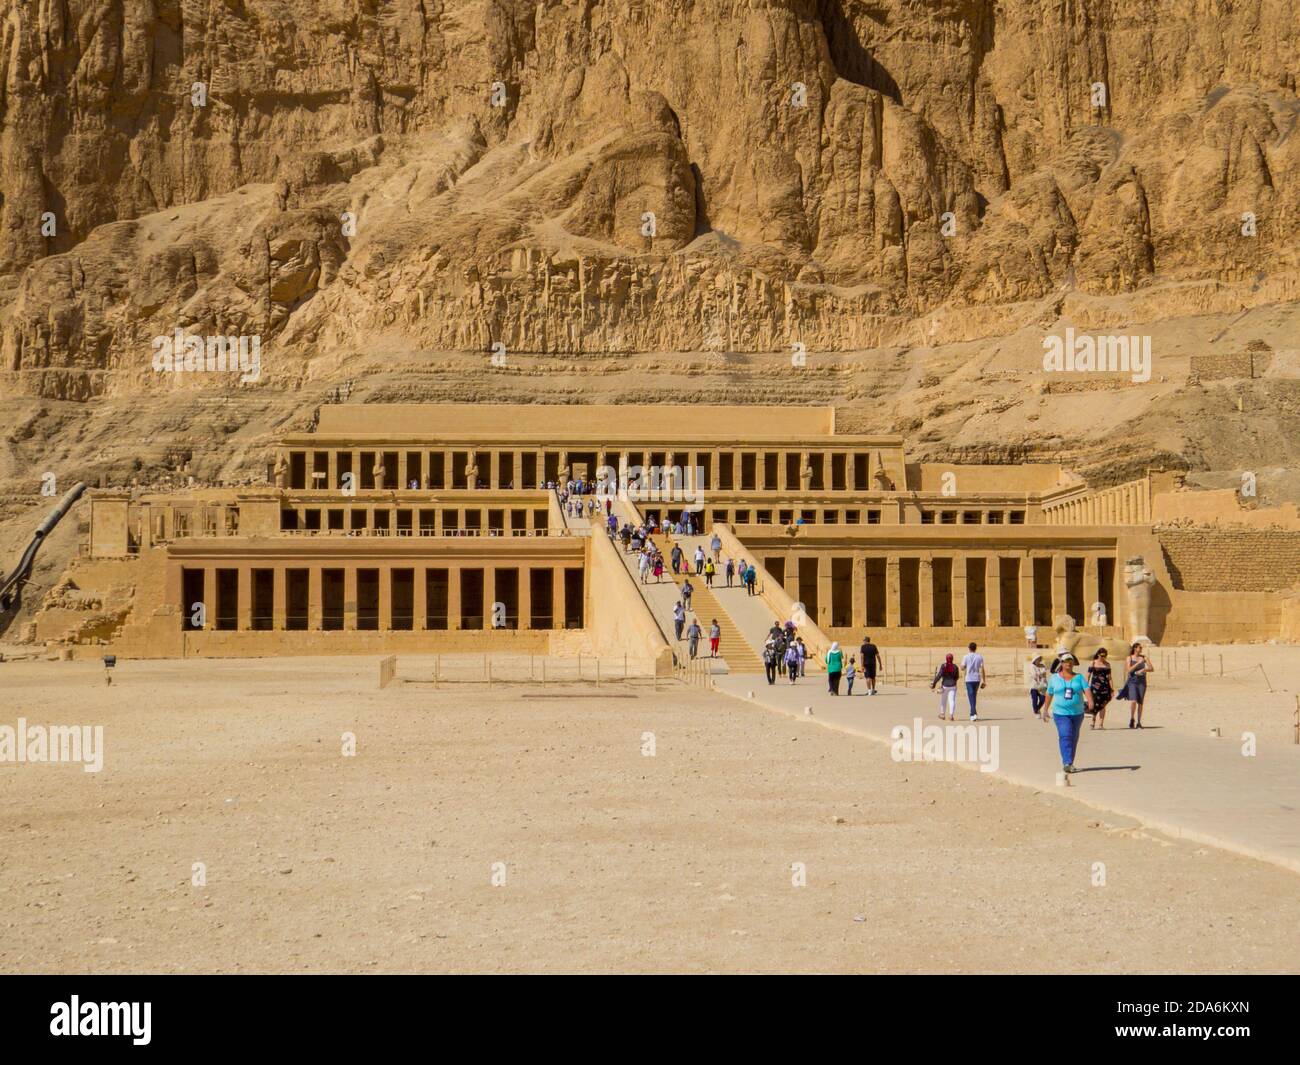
(734, 648)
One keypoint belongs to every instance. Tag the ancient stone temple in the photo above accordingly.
(441, 527)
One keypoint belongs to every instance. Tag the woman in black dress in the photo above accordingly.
(1102, 689)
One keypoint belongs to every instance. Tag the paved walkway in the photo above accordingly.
(1201, 789)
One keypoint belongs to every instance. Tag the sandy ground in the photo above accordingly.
(613, 860)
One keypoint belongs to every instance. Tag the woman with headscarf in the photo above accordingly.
(946, 677)
(834, 667)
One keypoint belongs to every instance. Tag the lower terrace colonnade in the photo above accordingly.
(945, 589)
(376, 596)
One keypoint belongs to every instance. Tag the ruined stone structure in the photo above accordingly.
(438, 527)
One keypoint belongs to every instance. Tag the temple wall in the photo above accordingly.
(1221, 506)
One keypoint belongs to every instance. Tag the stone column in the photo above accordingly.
(385, 597)
(453, 597)
(315, 599)
(279, 600)
(489, 594)
(1058, 585)
(959, 596)
(526, 593)
(419, 599)
(1027, 590)
(350, 598)
(209, 597)
(715, 467)
(402, 479)
(859, 591)
(925, 591)
(245, 622)
(1091, 592)
(893, 593)
(557, 597)
(824, 591)
(992, 592)
(333, 470)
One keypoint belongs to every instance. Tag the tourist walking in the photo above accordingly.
(693, 635)
(870, 660)
(687, 591)
(715, 635)
(1067, 697)
(792, 662)
(946, 677)
(709, 571)
(715, 545)
(751, 580)
(850, 673)
(1136, 668)
(730, 570)
(1099, 682)
(677, 558)
(834, 668)
(1036, 683)
(699, 560)
(1031, 636)
(659, 567)
(973, 666)
(679, 618)
(803, 657)
(770, 659)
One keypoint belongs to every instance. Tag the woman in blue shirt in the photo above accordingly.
(1068, 696)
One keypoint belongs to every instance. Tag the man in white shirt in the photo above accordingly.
(973, 666)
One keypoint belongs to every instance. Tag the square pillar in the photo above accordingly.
(1027, 589)
(1091, 592)
(209, 597)
(419, 599)
(1058, 585)
(859, 591)
(385, 597)
(824, 592)
(557, 598)
(350, 598)
(401, 470)
(526, 594)
(489, 595)
(453, 597)
(315, 599)
(245, 622)
(279, 599)
(925, 590)
(333, 470)
(893, 593)
(959, 578)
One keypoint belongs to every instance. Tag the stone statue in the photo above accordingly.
(564, 474)
(281, 471)
(1083, 645)
(377, 471)
(1138, 580)
(882, 478)
(806, 475)
(471, 474)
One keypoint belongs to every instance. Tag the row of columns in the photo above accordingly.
(686, 460)
(1125, 504)
(419, 591)
(961, 587)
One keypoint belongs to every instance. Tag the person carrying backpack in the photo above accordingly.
(946, 677)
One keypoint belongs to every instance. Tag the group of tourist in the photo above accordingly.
(946, 677)
(1060, 693)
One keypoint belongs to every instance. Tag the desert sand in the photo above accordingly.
(613, 860)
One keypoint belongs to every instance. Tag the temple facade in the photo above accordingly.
(439, 527)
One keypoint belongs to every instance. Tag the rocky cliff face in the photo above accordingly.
(817, 172)
(656, 198)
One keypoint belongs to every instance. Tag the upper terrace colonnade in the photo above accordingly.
(737, 453)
